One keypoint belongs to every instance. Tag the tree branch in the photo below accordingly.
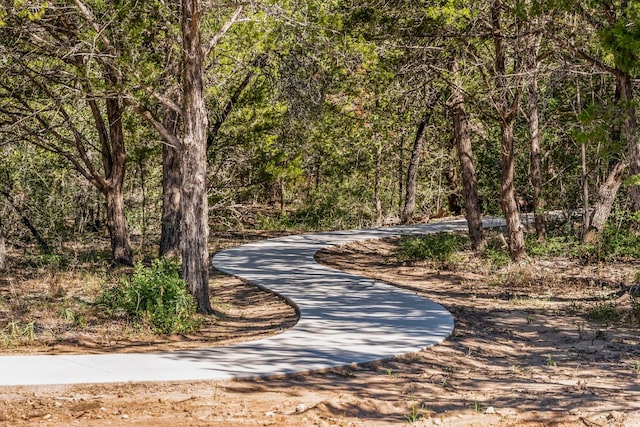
(227, 25)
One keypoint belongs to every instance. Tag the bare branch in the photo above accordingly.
(167, 136)
(227, 25)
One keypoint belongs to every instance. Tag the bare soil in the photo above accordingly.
(525, 351)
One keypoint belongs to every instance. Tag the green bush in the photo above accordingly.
(154, 296)
(438, 247)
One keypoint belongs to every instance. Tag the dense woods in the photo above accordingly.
(162, 120)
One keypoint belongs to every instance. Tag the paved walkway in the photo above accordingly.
(344, 319)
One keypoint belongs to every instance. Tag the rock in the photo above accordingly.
(490, 410)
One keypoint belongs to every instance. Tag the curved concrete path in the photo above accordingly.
(344, 319)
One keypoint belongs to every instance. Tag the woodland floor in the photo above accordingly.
(525, 351)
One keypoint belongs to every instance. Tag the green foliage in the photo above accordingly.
(615, 244)
(622, 37)
(16, 331)
(635, 306)
(439, 247)
(155, 297)
(495, 252)
(605, 312)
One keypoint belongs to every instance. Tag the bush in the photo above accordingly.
(438, 247)
(156, 297)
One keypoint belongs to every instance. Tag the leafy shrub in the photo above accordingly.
(605, 312)
(617, 242)
(495, 252)
(438, 247)
(156, 297)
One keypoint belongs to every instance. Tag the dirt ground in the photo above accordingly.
(524, 352)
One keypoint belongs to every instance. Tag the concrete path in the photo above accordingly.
(344, 319)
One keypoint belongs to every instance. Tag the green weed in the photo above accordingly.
(550, 361)
(414, 414)
(605, 312)
(438, 247)
(156, 297)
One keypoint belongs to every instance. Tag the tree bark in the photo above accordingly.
(171, 188)
(377, 184)
(117, 226)
(606, 197)
(507, 110)
(508, 201)
(195, 227)
(465, 156)
(114, 163)
(3, 251)
(535, 160)
(412, 172)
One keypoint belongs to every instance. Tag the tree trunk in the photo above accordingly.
(195, 227)
(114, 162)
(3, 251)
(535, 160)
(606, 197)
(508, 194)
(465, 155)
(400, 171)
(584, 171)
(412, 173)
(507, 110)
(377, 184)
(171, 187)
(117, 226)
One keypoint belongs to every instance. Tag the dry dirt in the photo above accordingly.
(523, 352)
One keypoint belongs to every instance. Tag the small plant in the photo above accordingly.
(635, 306)
(438, 247)
(154, 296)
(636, 366)
(414, 414)
(17, 331)
(476, 406)
(550, 361)
(605, 312)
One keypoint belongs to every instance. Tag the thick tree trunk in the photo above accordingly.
(117, 226)
(114, 161)
(171, 187)
(412, 173)
(508, 194)
(195, 227)
(465, 155)
(606, 197)
(535, 161)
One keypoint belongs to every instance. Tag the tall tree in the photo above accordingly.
(43, 88)
(462, 140)
(507, 101)
(193, 201)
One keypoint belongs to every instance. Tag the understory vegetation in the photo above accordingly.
(621, 299)
(154, 297)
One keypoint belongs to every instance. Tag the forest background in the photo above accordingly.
(162, 120)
